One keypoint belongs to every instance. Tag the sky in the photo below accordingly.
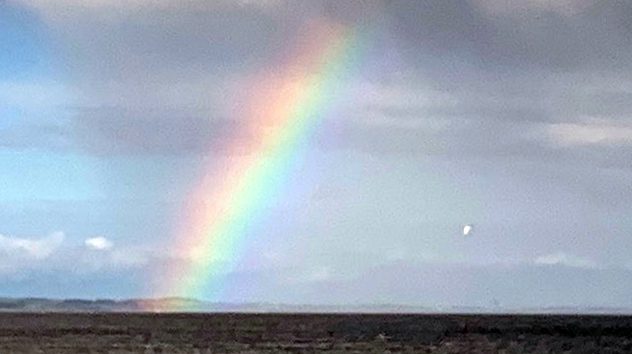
(514, 117)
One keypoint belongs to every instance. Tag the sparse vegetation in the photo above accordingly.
(294, 333)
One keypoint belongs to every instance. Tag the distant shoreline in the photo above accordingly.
(182, 305)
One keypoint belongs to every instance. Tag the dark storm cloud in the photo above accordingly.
(173, 44)
(507, 72)
(502, 36)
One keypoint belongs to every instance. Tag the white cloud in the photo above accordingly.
(31, 248)
(568, 134)
(320, 274)
(518, 8)
(99, 243)
(20, 256)
(561, 258)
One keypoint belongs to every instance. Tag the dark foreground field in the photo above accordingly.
(275, 333)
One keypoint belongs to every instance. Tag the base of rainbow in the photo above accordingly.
(282, 113)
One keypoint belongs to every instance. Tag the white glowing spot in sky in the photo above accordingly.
(467, 229)
(98, 244)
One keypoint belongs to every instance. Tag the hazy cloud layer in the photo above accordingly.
(26, 258)
(31, 248)
(564, 259)
(21, 255)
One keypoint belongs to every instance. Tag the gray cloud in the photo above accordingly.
(519, 37)
(123, 131)
(503, 72)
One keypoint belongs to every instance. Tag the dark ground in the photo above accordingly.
(305, 333)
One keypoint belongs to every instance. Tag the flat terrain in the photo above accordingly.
(305, 333)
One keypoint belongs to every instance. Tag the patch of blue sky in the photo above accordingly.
(36, 175)
(9, 115)
(29, 84)
(155, 178)
(24, 44)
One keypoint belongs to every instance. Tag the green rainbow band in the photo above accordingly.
(261, 181)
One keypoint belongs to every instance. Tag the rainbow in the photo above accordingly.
(281, 116)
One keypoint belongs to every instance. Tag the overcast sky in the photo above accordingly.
(513, 116)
